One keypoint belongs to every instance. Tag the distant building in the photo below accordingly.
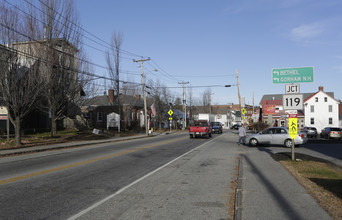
(321, 110)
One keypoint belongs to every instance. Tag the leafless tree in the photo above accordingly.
(206, 98)
(162, 97)
(113, 62)
(20, 83)
(128, 100)
(60, 46)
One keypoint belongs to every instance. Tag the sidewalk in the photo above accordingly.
(270, 192)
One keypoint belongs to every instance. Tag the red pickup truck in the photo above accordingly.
(200, 128)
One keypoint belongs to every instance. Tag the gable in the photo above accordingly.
(321, 95)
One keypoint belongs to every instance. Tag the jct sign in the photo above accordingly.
(292, 88)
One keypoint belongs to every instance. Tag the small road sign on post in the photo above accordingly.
(293, 130)
(292, 88)
(293, 102)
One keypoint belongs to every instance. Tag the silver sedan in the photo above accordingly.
(275, 136)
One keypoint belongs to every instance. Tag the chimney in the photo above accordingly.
(138, 96)
(111, 96)
(320, 88)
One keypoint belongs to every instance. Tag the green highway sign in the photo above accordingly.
(292, 75)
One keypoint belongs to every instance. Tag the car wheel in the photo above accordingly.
(288, 143)
(191, 136)
(253, 142)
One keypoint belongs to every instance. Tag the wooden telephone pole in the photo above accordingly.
(238, 85)
(184, 105)
(144, 90)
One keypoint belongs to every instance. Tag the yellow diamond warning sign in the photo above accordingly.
(170, 112)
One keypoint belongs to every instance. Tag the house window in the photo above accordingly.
(312, 121)
(99, 117)
(316, 99)
(325, 99)
(330, 121)
(312, 108)
(330, 108)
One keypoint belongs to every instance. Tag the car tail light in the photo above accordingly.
(301, 135)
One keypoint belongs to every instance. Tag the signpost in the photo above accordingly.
(293, 102)
(292, 88)
(243, 111)
(293, 130)
(170, 118)
(292, 75)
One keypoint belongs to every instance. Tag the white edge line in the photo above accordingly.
(133, 183)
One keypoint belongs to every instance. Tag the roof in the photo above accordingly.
(280, 97)
(104, 101)
(330, 94)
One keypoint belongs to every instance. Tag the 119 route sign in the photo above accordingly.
(293, 102)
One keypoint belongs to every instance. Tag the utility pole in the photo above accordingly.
(238, 85)
(184, 104)
(144, 90)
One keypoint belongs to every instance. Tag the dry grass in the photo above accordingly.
(322, 181)
(45, 138)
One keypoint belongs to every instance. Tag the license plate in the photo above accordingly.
(197, 132)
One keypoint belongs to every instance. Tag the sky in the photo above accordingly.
(206, 42)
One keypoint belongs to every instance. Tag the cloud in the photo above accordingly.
(307, 31)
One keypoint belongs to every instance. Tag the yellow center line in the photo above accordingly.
(84, 162)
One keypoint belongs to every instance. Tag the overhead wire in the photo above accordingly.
(124, 51)
(153, 65)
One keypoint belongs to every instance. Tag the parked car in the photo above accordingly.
(216, 127)
(236, 126)
(275, 136)
(310, 131)
(331, 132)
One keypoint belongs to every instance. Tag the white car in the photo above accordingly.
(275, 136)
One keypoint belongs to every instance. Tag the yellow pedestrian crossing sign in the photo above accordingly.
(293, 129)
(170, 112)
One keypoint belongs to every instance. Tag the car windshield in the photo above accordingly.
(215, 123)
(335, 129)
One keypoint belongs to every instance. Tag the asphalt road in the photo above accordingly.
(58, 184)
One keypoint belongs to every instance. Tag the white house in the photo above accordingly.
(321, 110)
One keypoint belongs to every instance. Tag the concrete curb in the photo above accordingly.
(238, 192)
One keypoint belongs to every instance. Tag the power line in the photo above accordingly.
(123, 51)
